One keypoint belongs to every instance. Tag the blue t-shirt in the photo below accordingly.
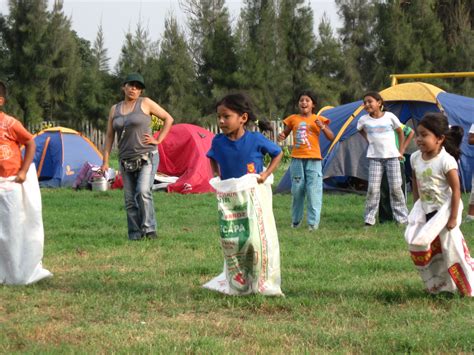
(243, 156)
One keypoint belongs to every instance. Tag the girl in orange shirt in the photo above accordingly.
(306, 168)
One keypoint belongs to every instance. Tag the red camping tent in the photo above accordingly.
(183, 154)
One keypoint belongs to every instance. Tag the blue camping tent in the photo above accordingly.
(345, 156)
(60, 154)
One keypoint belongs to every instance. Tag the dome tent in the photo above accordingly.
(345, 156)
(183, 154)
(60, 154)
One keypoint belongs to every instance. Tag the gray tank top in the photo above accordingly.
(130, 130)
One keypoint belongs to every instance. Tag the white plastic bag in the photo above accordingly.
(441, 256)
(249, 238)
(21, 231)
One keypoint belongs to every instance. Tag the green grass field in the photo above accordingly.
(348, 289)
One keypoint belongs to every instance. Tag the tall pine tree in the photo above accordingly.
(358, 45)
(99, 51)
(62, 67)
(213, 48)
(327, 65)
(296, 29)
(263, 67)
(177, 78)
(25, 34)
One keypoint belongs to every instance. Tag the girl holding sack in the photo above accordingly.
(436, 243)
(247, 227)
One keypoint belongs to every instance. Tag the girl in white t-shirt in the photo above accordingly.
(435, 168)
(377, 128)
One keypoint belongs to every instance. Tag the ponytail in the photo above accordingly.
(437, 123)
(264, 125)
(453, 141)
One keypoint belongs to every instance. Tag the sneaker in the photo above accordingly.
(295, 225)
(312, 228)
(469, 218)
(366, 225)
(150, 235)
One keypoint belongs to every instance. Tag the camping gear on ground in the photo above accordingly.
(346, 155)
(99, 182)
(60, 155)
(441, 256)
(90, 172)
(21, 232)
(183, 154)
(118, 181)
(249, 238)
(162, 181)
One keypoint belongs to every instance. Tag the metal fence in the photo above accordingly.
(97, 136)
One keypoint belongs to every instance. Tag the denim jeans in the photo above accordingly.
(137, 187)
(306, 180)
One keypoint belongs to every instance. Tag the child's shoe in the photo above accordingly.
(151, 235)
(295, 225)
(312, 228)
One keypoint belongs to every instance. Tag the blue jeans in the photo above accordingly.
(139, 198)
(306, 179)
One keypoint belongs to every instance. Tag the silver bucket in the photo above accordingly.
(100, 184)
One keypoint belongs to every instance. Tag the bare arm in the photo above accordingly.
(401, 141)
(416, 195)
(150, 107)
(471, 138)
(408, 140)
(109, 140)
(214, 167)
(453, 181)
(325, 129)
(271, 167)
(283, 135)
(364, 134)
(30, 148)
(328, 133)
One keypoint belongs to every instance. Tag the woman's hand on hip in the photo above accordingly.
(149, 139)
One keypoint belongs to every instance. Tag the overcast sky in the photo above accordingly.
(120, 16)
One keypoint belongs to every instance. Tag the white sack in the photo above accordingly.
(21, 231)
(249, 238)
(441, 256)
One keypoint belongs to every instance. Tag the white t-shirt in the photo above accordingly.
(472, 129)
(431, 179)
(380, 135)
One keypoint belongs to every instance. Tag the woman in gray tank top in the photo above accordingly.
(130, 119)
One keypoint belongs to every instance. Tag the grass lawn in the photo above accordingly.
(348, 289)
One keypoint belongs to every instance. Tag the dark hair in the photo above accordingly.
(311, 95)
(3, 90)
(241, 104)
(377, 97)
(437, 123)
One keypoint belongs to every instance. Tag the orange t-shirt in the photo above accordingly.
(305, 135)
(12, 136)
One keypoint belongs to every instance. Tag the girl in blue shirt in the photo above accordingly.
(236, 151)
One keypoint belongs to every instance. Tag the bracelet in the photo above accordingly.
(322, 127)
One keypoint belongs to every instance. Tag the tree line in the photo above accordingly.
(271, 51)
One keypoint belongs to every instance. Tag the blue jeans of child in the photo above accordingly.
(306, 180)
(137, 187)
